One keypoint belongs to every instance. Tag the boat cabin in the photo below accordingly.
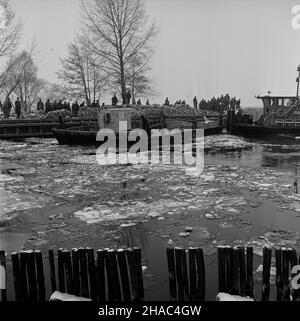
(281, 111)
(111, 118)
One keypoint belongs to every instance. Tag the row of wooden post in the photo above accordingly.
(186, 274)
(116, 275)
(110, 275)
(235, 270)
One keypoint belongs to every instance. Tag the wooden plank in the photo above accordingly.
(278, 257)
(294, 262)
(100, 271)
(172, 273)
(243, 271)
(124, 275)
(115, 289)
(235, 271)
(135, 288)
(32, 281)
(83, 273)
(221, 268)
(185, 275)
(192, 274)
(16, 276)
(179, 273)
(23, 275)
(200, 274)
(138, 259)
(267, 253)
(61, 271)
(92, 274)
(229, 269)
(249, 268)
(68, 271)
(40, 276)
(76, 271)
(52, 270)
(285, 275)
(3, 276)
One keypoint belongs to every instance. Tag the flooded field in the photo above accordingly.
(55, 196)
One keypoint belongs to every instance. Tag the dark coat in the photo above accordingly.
(75, 109)
(18, 106)
(48, 107)
(40, 105)
(114, 100)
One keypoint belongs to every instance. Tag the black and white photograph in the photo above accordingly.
(149, 152)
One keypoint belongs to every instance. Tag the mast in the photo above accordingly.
(297, 80)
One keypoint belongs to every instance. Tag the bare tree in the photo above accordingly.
(118, 31)
(10, 29)
(138, 79)
(83, 73)
(21, 78)
(54, 91)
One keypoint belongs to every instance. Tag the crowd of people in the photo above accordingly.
(219, 104)
(224, 102)
(126, 100)
(42, 107)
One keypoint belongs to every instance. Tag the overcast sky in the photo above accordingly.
(204, 47)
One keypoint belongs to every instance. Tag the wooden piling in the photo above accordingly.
(285, 275)
(76, 271)
(40, 276)
(83, 273)
(249, 269)
(31, 272)
(229, 269)
(3, 276)
(221, 268)
(135, 287)
(192, 274)
(267, 253)
(243, 271)
(16, 276)
(23, 276)
(68, 271)
(52, 270)
(139, 269)
(124, 275)
(60, 271)
(235, 271)
(172, 272)
(179, 273)
(100, 273)
(92, 274)
(294, 262)
(200, 275)
(113, 271)
(278, 256)
(185, 275)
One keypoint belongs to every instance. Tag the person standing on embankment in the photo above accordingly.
(18, 108)
(7, 108)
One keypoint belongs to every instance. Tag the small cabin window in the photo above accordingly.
(275, 102)
(289, 122)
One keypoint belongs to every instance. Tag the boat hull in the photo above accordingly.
(85, 137)
(260, 131)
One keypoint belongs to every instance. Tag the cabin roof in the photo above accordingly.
(280, 97)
